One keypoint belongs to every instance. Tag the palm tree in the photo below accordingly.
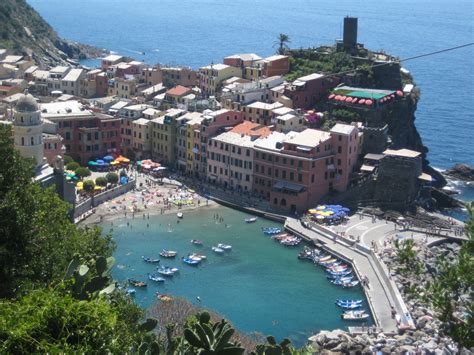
(282, 43)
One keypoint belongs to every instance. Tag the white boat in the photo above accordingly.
(226, 247)
(179, 214)
(196, 256)
(251, 220)
(217, 250)
(354, 315)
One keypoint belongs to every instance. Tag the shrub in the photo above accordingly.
(89, 185)
(72, 166)
(67, 159)
(101, 181)
(83, 172)
(112, 178)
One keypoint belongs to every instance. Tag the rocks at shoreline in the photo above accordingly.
(461, 172)
(428, 337)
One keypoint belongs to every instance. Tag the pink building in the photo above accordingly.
(294, 171)
(304, 92)
(53, 146)
(230, 156)
(212, 124)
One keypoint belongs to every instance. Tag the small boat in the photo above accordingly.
(137, 283)
(150, 260)
(155, 278)
(165, 271)
(196, 256)
(350, 306)
(179, 214)
(350, 284)
(196, 241)
(324, 258)
(190, 261)
(168, 253)
(339, 273)
(217, 250)
(343, 278)
(131, 291)
(354, 315)
(349, 301)
(225, 247)
(251, 220)
(164, 298)
(291, 241)
(271, 230)
(328, 263)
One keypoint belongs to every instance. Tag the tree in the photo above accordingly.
(72, 166)
(101, 181)
(282, 43)
(112, 178)
(89, 185)
(37, 239)
(83, 172)
(451, 292)
(67, 159)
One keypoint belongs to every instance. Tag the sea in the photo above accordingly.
(269, 290)
(260, 285)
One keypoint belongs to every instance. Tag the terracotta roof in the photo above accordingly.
(248, 128)
(178, 91)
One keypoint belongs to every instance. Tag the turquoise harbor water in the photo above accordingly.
(260, 285)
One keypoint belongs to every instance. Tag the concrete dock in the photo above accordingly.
(381, 293)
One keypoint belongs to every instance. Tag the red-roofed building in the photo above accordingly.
(175, 96)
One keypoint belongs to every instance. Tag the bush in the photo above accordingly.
(89, 185)
(83, 172)
(101, 181)
(67, 159)
(72, 166)
(112, 178)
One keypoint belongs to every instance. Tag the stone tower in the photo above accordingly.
(28, 129)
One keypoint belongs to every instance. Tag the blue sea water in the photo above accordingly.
(260, 285)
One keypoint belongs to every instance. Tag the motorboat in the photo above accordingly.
(190, 261)
(150, 260)
(339, 273)
(341, 282)
(327, 262)
(131, 291)
(168, 253)
(343, 278)
(196, 241)
(179, 214)
(196, 256)
(217, 250)
(251, 220)
(354, 315)
(137, 283)
(155, 278)
(165, 271)
(350, 306)
(291, 241)
(325, 258)
(350, 284)
(225, 247)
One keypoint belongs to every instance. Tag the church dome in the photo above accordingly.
(26, 103)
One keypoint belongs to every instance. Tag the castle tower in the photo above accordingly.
(28, 129)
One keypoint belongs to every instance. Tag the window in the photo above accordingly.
(283, 174)
(326, 175)
(312, 178)
(339, 150)
(22, 140)
(300, 164)
(269, 172)
(338, 161)
(340, 138)
(300, 177)
(247, 152)
(292, 176)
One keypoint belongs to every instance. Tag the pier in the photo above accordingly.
(381, 293)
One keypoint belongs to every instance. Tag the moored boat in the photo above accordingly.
(168, 253)
(271, 230)
(350, 284)
(217, 250)
(131, 291)
(190, 261)
(196, 241)
(197, 256)
(251, 220)
(150, 260)
(349, 301)
(225, 247)
(290, 241)
(354, 315)
(165, 271)
(137, 283)
(179, 214)
(164, 298)
(155, 278)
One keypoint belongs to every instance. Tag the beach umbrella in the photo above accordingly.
(312, 211)
(331, 96)
(114, 163)
(99, 161)
(92, 163)
(321, 207)
(97, 187)
(139, 163)
(80, 184)
(399, 93)
(361, 101)
(368, 102)
(108, 158)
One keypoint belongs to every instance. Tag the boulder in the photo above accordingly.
(461, 172)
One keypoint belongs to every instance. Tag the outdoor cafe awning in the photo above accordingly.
(285, 185)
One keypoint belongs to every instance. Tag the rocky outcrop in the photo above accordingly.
(461, 172)
(24, 31)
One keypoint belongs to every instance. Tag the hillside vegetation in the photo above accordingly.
(24, 31)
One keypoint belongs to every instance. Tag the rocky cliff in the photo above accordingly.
(24, 31)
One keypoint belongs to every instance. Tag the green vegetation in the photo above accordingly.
(67, 159)
(72, 166)
(308, 62)
(83, 172)
(101, 181)
(407, 256)
(453, 288)
(112, 178)
(89, 185)
(345, 115)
